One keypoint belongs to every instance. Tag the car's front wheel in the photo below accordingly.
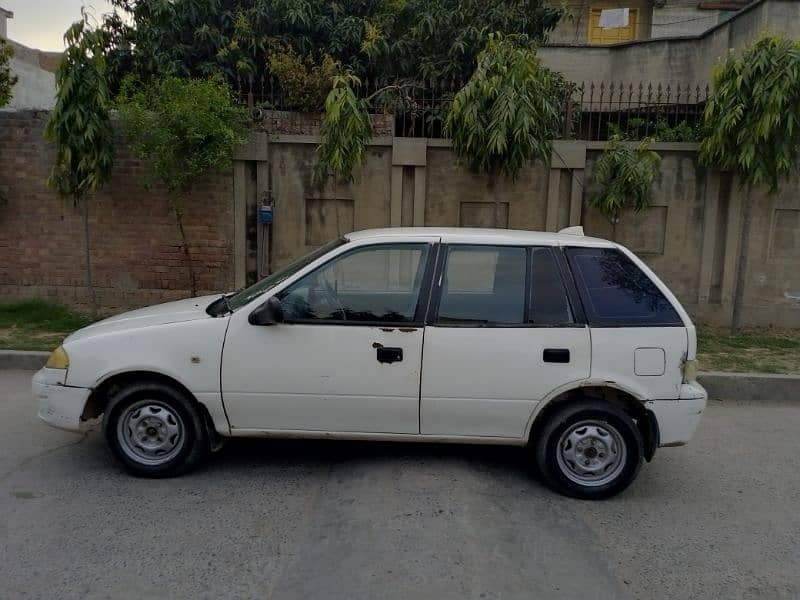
(155, 430)
(589, 449)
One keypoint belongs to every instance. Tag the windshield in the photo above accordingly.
(243, 297)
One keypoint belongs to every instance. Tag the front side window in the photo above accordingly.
(376, 284)
(483, 285)
(615, 292)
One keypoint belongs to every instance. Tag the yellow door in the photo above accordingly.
(598, 35)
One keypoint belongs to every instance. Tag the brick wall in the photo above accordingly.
(134, 242)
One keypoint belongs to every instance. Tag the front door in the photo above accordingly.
(503, 338)
(348, 356)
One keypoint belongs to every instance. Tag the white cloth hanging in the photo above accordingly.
(614, 17)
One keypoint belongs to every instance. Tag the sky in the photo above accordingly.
(42, 23)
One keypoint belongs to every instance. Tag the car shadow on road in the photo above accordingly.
(507, 466)
(256, 459)
(296, 453)
(243, 457)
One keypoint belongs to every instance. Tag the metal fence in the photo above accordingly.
(671, 113)
(419, 108)
(590, 111)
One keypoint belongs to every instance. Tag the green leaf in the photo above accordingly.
(508, 112)
(750, 121)
(80, 124)
(182, 129)
(7, 78)
(624, 175)
(346, 129)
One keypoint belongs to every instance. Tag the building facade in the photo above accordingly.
(677, 58)
(5, 15)
(35, 70)
(643, 20)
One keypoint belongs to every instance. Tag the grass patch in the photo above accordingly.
(755, 350)
(37, 324)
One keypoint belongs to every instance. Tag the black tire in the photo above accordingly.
(586, 421)
(187, 448)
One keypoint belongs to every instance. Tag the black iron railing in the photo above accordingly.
(634, 111)
(591, 111)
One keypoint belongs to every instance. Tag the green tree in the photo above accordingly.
(346, 130)
(307, 82)
(752, 126)
(182, 129)
(7, 81)
(508, 112)
(383, 39)
(625, 174)
(752, 120)
(347, 127)
(7, 78)
(80, 125)
(436, 39)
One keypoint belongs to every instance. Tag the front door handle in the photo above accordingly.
(389, 355)
(556, 355)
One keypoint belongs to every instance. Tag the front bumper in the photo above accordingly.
(678, 419)
(59, 405)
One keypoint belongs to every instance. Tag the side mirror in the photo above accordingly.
(269, 313)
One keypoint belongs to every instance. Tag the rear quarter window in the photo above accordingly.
(616, 292)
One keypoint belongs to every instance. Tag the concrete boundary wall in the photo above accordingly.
(35, 69)
(691, 235)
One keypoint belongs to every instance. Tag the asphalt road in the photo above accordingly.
(719, 518)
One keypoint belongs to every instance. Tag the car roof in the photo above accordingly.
(467, 235)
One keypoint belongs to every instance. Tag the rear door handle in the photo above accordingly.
(389, 355)
(556, 355)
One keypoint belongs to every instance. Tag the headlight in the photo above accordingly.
(58, 359)
(689, 370)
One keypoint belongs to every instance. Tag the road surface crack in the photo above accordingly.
(30, 459)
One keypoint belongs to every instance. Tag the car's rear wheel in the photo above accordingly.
(155, 430)
(589, 449)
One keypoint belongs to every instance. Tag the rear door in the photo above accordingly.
(502, 335)
(638, 338)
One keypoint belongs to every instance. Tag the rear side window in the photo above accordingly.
(549, 306)
(483, 285)
(615, 292)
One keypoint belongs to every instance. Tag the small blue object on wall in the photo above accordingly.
(265, 214)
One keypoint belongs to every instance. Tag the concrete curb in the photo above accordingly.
(21, 359)
(752, 387)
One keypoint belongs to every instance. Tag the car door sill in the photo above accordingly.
(385, 437)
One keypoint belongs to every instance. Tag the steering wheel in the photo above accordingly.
(333, 298)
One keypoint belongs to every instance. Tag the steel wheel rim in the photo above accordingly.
(151, 432)
(591, 453)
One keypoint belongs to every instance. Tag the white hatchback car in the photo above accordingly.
(561, 342)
